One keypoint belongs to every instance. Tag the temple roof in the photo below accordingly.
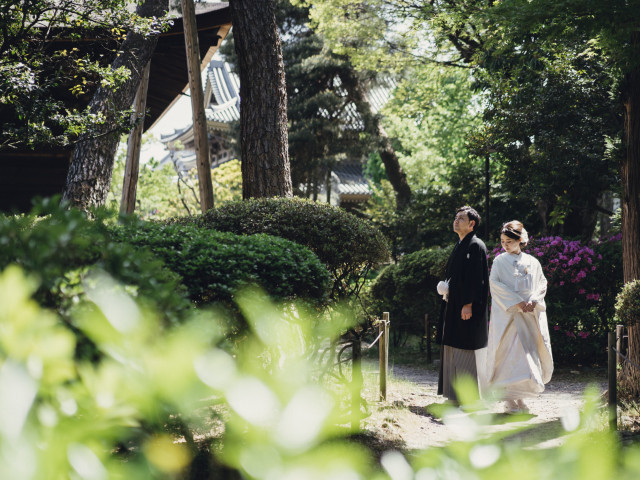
(221, 99)
(222, 93)
(350, 179)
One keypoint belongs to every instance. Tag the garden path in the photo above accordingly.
(403, 418)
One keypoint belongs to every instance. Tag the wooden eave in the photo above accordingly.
(169, 78)
(42, 172)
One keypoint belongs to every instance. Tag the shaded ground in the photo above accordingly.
(411, 417)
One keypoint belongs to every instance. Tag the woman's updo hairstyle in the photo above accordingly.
(514, 229)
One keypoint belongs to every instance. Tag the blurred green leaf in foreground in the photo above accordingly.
(112, 417)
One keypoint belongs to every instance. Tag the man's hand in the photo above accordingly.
(466, 312)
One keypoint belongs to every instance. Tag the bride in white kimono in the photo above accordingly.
(519, 360)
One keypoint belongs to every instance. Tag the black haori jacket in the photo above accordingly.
(468, 275)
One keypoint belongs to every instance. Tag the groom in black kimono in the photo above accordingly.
(463, 331)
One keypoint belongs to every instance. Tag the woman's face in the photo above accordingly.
(509, 244)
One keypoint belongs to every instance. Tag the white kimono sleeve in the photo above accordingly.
(501, 293)
(539, 287)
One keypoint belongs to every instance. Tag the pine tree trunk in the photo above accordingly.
(630, 174)
(392, 167)
(89, 176)
(263, 108)
(396, 175)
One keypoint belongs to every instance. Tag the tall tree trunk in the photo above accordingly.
(263, 106)
(89, 175)
(392, 167)
(396, 175)
(630, 174)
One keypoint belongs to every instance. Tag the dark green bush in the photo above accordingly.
(346, 244)
(61, 246)
(628, 304)
(407, 290)
(214, 265)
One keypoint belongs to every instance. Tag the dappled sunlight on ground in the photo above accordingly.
(416, 416)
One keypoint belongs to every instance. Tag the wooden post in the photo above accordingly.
(383, 348)
(619, 339)
(427, 336)
(132, 166)
(201, 139)
(613, 400)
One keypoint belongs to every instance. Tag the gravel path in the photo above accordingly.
(404, 419)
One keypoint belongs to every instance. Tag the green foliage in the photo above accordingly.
(430, 114)
(407, 290)
(215, 265)
(109, 418)
(374, 34)
(549, 116)
(427, 220)
(628, 304)
(47, 76)
(227, 182)
(542, 73)
(72, 419)
(63, 249)
(329, 118)
(347, 245)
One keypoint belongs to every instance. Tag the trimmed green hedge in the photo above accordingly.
(61, 247)
(349, 246)
(214, 265)
(407, 290)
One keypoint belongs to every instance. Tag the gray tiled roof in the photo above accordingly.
(224, 105)
(351, 181)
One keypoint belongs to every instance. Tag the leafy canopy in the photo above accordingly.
(48, 70)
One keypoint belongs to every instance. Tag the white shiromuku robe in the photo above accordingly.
(519, 359)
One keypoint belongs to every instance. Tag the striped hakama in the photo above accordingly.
(457, 362)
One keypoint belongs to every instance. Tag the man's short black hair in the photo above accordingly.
(471, 215)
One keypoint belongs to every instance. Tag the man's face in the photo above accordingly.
(462, 224)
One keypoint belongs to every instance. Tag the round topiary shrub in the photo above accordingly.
(348, 246)
(628, 304)
(215, 265)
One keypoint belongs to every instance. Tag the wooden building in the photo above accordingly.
(26, 174)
